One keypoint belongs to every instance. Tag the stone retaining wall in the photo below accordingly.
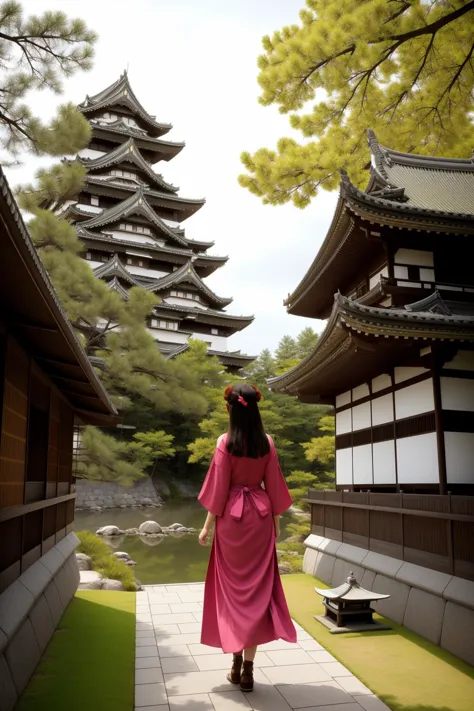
(435, 605)
(30, 610)
(94, 495)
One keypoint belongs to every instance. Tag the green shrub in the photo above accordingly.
(103, 561)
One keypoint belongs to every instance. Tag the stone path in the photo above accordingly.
(174, 672)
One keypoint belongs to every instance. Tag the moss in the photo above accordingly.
(104, 562)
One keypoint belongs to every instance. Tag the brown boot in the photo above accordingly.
(234, 674)
(246, 678)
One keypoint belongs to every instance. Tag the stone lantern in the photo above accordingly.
(348, 608)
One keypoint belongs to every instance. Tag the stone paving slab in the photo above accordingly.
(175, 672)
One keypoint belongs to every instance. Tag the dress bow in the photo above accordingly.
(237, 508)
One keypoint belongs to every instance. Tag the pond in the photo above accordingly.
(161, 560)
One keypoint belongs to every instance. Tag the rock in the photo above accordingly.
(121, 555)
(284, 568)
(83, 561)
(109, 531)
(182, 530)
(148, 527)
(108, 584)
(165, 530)
(175, 526)
(191, 530)
(131, 532)
(139, 586)
(280, 554)
(130, 563)
(94, 585)
(89, 576)
(146, 502)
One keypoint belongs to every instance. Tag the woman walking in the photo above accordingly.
(244, 602)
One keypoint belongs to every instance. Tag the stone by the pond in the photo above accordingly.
(108, 584)
(83, 561)
(152, 540)
(181, 530)
(131, 531)
(109, 531)
(150, 527)
(175, 526)
(90, 580)
(122, 555)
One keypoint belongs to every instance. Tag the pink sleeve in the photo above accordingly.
(215, 490)
(275, 484)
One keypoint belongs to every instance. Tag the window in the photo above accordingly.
(154, 323)
(189, 296)
(88, 255)
(140, 263)
(95, 200)
(104, 258)
(129, 260)
(134, 228)
(214, 331)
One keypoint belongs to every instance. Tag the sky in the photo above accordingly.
(192, 63)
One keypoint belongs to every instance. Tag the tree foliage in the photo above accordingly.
(401, 67)
(37, 53)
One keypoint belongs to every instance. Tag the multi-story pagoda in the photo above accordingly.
(394, 278)
(129, 219)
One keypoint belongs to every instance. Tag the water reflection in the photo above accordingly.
(175, 558)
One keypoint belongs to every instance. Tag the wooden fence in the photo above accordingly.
(433, 531)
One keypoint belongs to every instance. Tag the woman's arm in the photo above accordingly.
(277, 526)
(203, 536)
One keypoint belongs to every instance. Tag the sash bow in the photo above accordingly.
(237, 508)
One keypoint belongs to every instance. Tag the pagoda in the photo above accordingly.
(129, 219)
(395, 281)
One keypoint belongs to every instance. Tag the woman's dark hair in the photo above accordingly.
(246, 436)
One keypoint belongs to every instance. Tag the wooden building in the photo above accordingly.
(46, 386)
(394, 278)
(130, 220)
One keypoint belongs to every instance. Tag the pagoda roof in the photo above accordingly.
(115, 285)
(136, 204)
(353, 237)
(127, 152)
(187, 274)
(440, 185)
(115, 131)
(121, 187)
(226, 357)
(115, 268)
(209, 262)
(206, 315)
(120, 93)
(360, 342)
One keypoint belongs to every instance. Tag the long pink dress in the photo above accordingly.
(244, 602)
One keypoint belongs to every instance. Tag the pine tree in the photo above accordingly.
(36, 53)
(402, 68)
(306, 341)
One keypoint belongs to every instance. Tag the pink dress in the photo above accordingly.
(244, 602)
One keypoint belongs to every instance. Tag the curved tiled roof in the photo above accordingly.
(130, 153)
(121, 93)
(115, 268)
(187, 273)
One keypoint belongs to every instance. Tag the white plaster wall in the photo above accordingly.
(415, 257)
(218, 343)
(343, 422)
(179, 301)
(381, 382)
(143, 271)
(402, 374)
(168, 335)
(343, 399)
(362, 464)
(427, 274)
(361, 416)
(382, 410)
(376, 277)
(94, 265)
(344, 466)
(360, 391)
(90, 153)
(384, 462)
(134, 237)
(414, 399)
(457, 394)
(463, 360)
(417, 459)
(459, 457)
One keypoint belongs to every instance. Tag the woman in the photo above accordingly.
(244, 603)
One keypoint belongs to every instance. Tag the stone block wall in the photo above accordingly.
(437, 606)
(30, 610)
(92, 495)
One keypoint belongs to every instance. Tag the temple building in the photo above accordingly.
(395, 281)
(47, 387)
(129, 218)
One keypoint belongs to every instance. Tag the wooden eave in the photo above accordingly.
(32, 312)
(211, 317)
(155, 149)
(361, 342)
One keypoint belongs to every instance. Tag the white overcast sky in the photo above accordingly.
(193, 64)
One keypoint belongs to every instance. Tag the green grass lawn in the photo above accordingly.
(404, 670)
(89, 664)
